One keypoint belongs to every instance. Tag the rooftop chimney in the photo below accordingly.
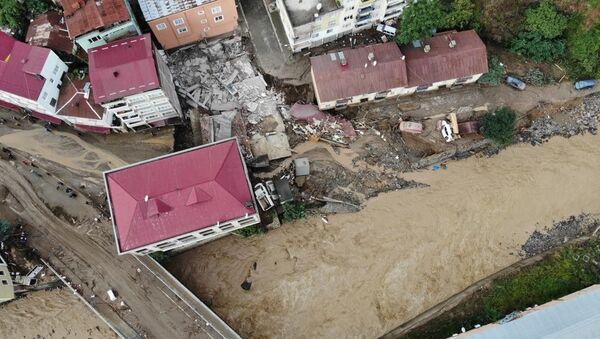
(116, 74)
(452, 43)
(427, 48)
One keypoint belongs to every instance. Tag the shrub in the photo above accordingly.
(545, 20)
(536, 77)
(495, 73)
(461, 14)
(584, 48)
(419, 20)
(6, 229)
(499, 126)
(533, 45)
(11, 14)
(161, 257)
(293, 211)
(37, 7)
(249, 231)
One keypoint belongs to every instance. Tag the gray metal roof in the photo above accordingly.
(574, 316)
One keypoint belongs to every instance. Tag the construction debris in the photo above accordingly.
(318, 125)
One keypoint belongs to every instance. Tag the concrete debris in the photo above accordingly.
(583, 118)
(324, 126)
(219, 76)
(275, 145)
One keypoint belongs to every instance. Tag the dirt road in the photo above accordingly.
(151, 308)
(363, 274)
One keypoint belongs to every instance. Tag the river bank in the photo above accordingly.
(368, 272)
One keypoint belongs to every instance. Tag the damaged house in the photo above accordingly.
(50, 31)
(133, 83)
(30, 78)
(180, 200)
(93, 23)
(182, 22)
(377, 72)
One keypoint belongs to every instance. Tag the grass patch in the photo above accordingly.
(294, 211)
(564, 272)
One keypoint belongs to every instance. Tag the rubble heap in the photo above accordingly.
(218, 76)
(582, 118)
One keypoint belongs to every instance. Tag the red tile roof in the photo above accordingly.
(72, 101)
(183, 192)
(84, 16)
(49, 30)
(334, 81)
(20, 65)
(468, 57)
(122, 68)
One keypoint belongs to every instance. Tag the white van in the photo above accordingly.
(387, 30)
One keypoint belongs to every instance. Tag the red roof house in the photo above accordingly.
(49, 30)
(180, 199)
(133, 82)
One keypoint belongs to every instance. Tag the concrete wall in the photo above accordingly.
(102, 37)
(199, 22)
(166, 82)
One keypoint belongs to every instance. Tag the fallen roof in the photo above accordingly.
(574, 316)
(84, 16)
(20, 65)
(49, 30)
(179, 193)
(122, 68)
(72, 101)
(468, 57)
(335, 81)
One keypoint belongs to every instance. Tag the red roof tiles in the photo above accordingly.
(84, 16)
(335, 81)
(468, 57)
(49, 30)
(20, 65)
(122, 68)
(178, 194)
(72, 101)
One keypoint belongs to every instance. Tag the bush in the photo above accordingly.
(495, 73)
(535, 77)
(546, 20)
(293, 211)
(249, 231)
(499, 126)
(461, 14)
(11, 14)
(533, 45)
(37, 7)
(6, 229)
(584, 48)
(419, 20)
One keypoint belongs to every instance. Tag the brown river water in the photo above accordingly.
(363, 274)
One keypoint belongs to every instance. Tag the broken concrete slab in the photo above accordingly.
(275, 145)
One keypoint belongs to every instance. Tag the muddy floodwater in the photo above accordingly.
(363, 274)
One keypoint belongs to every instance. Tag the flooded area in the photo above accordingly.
(363, 274)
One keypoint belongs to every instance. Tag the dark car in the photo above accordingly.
(585, 84)
(516, 83)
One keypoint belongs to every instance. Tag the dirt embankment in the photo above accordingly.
(363, 274)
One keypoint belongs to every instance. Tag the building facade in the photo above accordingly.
(133, 84)
(7, 291)
(96, 23)
(182, 22)
(311, 23)
(381, 71)
(180, 200)
(30, 76)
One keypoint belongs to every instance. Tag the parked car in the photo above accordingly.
(387, 30)
(516, 83)
(585, 84)
(447, 131)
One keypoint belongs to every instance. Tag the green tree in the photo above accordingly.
(545, 20)
(419, 20)
(11, 14)
(499, 126)
(37, 7)
(533, 45)
(584, 52)
(495, 73)
(461, 14)
(6, 229)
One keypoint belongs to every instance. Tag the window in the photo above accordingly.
(44, 96)
(463, 80)
(203, 21)
(4, 282)
(178, 22)
(59, 85)
(316, 35)
(93, 39)
(200, 12)
(1, 272)
(216, 10)
(182, 30)
(51, 80)
(219, 18)
(161, 27)
(329, 30)
(423, 87)
(55, 69)
(53, 102)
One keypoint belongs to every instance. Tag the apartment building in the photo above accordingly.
(310, 23)
(30, 77)
(133, 84)
(93, 23)
(181, 22)
(381, 71)
(180, 200)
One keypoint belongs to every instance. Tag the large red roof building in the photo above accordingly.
(180, 200)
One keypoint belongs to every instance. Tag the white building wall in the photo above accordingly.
(142, 109)
(52, 71)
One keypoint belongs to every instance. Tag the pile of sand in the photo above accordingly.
(363, 274)
(51, 314)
